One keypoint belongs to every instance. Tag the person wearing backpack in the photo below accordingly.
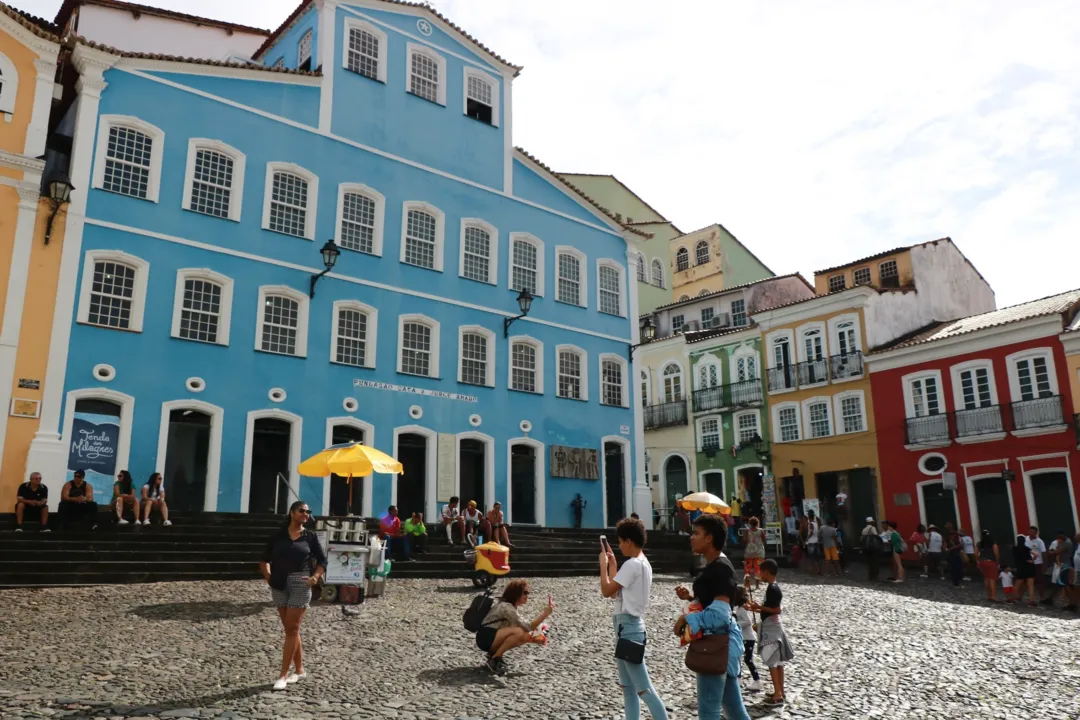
(898, 547)
(871, 545)
(503, 629)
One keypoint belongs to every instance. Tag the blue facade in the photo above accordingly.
(408, 150)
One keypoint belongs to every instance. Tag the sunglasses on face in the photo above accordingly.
(304, 511)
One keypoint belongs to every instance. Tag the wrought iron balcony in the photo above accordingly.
(927, 429)
(740, 394)
(711, 398)
(847, 366)
(1037, 413)
(986, 420)
(662, 415)
(782, 378)
(812, 372)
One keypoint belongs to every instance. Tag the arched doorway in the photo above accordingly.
(472, 465)
(412, 453)
(1052, 502)
(614, 482)
(270, 457)
(938, 504)
(187, 459)
(523, 483)
(675, 481)
(346, 494)
(993, 507)
(712, 481)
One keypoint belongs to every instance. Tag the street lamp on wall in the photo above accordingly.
(329, 254)
(524, 300)
(648, 333)
(59, 195)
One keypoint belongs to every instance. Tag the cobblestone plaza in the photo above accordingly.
(211, 649)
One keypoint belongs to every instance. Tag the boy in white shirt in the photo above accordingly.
(934, 543)
(451, 516)
(1006, 576)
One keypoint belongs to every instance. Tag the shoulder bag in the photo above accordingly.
(709, 655)
(630, 651)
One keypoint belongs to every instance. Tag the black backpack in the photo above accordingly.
(476, 612)
(872, 543)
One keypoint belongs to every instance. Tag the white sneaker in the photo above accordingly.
(280, 683)
(122, 521)
(167, 523)
(138, 522)
(18, 529)
(291, 678)
(924, 575)
(755, 686)
(297, 676)
(46, 530)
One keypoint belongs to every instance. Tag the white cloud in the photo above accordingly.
(816, 132)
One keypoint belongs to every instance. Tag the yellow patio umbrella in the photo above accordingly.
(705, 502)
(349, 460)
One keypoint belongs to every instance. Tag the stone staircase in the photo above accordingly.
(227, 546)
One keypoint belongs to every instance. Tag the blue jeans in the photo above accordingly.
(634, 679)
(716, 690)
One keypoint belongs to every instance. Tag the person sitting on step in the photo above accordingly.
(499, 528)
(451, 516)
(77, 502)
(390, 531)
(32, 501)
(153, 498)
(474, 519)
(124, 495)
(416, 533)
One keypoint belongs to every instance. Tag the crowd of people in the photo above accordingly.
(77, 506)
(472, 525)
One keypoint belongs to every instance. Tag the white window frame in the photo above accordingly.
(648, 391)
(225, 316)
(756, 414)
(909, 395)
(303, 305)
(440, 61)
(641, 268)
(653, 267)
(312, 196)
(625, 396)
(433, 325)
(732, 313)
(837, 418)
(707, 362)
(583, 361)
(371, 334)
(583, 275)
(708, 252)
(157, 150)
(675, 260)
(744, 352)
(352, 23)
(380, 215)
(1014, 376)
(310, 37)
(490, 80)
(489, 359)
(840, 280)
(440, 232)
(699, 433)
(539, 348)
(800, 349)
(138, 296)
(777, 430)
(539, 245)
(771, 341)
(236, 192)
(621, 274)
(493, 249)
(834, 333)
(818, 400)
(957, 384)
(10, 91)
(663, 384)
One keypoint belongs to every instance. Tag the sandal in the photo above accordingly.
(772, 701)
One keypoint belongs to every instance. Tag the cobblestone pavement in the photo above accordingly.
(921, 650)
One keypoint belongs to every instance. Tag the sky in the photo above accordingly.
(817, 133)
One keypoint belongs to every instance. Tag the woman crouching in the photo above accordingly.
(287, 567)
(503, 629)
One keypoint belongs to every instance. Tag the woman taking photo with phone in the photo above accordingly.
(292, 563)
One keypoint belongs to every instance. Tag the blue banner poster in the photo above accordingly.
(94, 442)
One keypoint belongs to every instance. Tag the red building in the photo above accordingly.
(985, 400)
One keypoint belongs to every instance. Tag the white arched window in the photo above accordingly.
(671, 376)
(113, 291)
(526, 365)
(476, 350)
(682, 260)
(214, 179)
(613, 380)
(572, 373)
(353, 334)
(426, 73)
(526, 263)
(423, 234)
(571, 285)
(609, 287)
(479, 251)
(202, 306)
(364, 49)
(658, 273)
(481, 96)
(290, 200)
(701, 253)
(9, 85)
(128, 157)
(418, 340)
(646, 394)
(282, 321)
(303, 51)
(642, 271)
(709, 374)
(360, 215)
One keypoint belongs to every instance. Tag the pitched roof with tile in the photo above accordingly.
(1059, 304)
(68, 7)
(420, 5)
(696, 336)
(733, 288)
(894, 251)
(194, 61)
(624, 186)
(39, 26)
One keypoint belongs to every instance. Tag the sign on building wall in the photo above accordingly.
(576, 463)
(447, 473)
(94, 442)
(372, 385)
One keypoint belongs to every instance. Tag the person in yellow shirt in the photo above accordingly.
(736, 518)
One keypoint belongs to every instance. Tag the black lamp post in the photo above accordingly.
(330, 254)
(648, 333)
(761, 447)
(524, 300)
(59, 195)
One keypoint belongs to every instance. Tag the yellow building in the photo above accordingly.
(711, 259)
(28, 267)
(1070, 339)
(821, 410)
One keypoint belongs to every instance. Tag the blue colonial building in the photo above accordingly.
(190, 339)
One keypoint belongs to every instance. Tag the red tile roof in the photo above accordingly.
(424, 6)
(194, 61)
(731, 289)
(40, 27)
(64, 14)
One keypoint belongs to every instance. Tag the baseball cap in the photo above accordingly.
(869, 519)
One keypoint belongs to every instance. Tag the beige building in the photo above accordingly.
(711, 259)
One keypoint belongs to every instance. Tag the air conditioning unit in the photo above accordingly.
(721, 320)
(691, 325)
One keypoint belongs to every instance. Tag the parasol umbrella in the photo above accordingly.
(349, 460)
(705, 502)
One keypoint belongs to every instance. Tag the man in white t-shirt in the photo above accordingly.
(1038, 548)
(451, 516)
(813, 545)
(934, 543)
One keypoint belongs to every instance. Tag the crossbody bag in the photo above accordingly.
(630, 651)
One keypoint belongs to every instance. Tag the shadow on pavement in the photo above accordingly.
(459, 589)
(458, 677)
(196, 612)
(202, 701)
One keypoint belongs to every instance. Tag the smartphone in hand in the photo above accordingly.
(604, 544)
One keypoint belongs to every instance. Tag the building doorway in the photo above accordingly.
(1053, 503)
(523, 484)
(412, 453)
(713, 482)
(750, 488)
(346, 495)
(472, 462)
(939, 504)
(271, 441)
(614, 482)
(994, 509)
(187, 457)
(828, 485)
(675, 483)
